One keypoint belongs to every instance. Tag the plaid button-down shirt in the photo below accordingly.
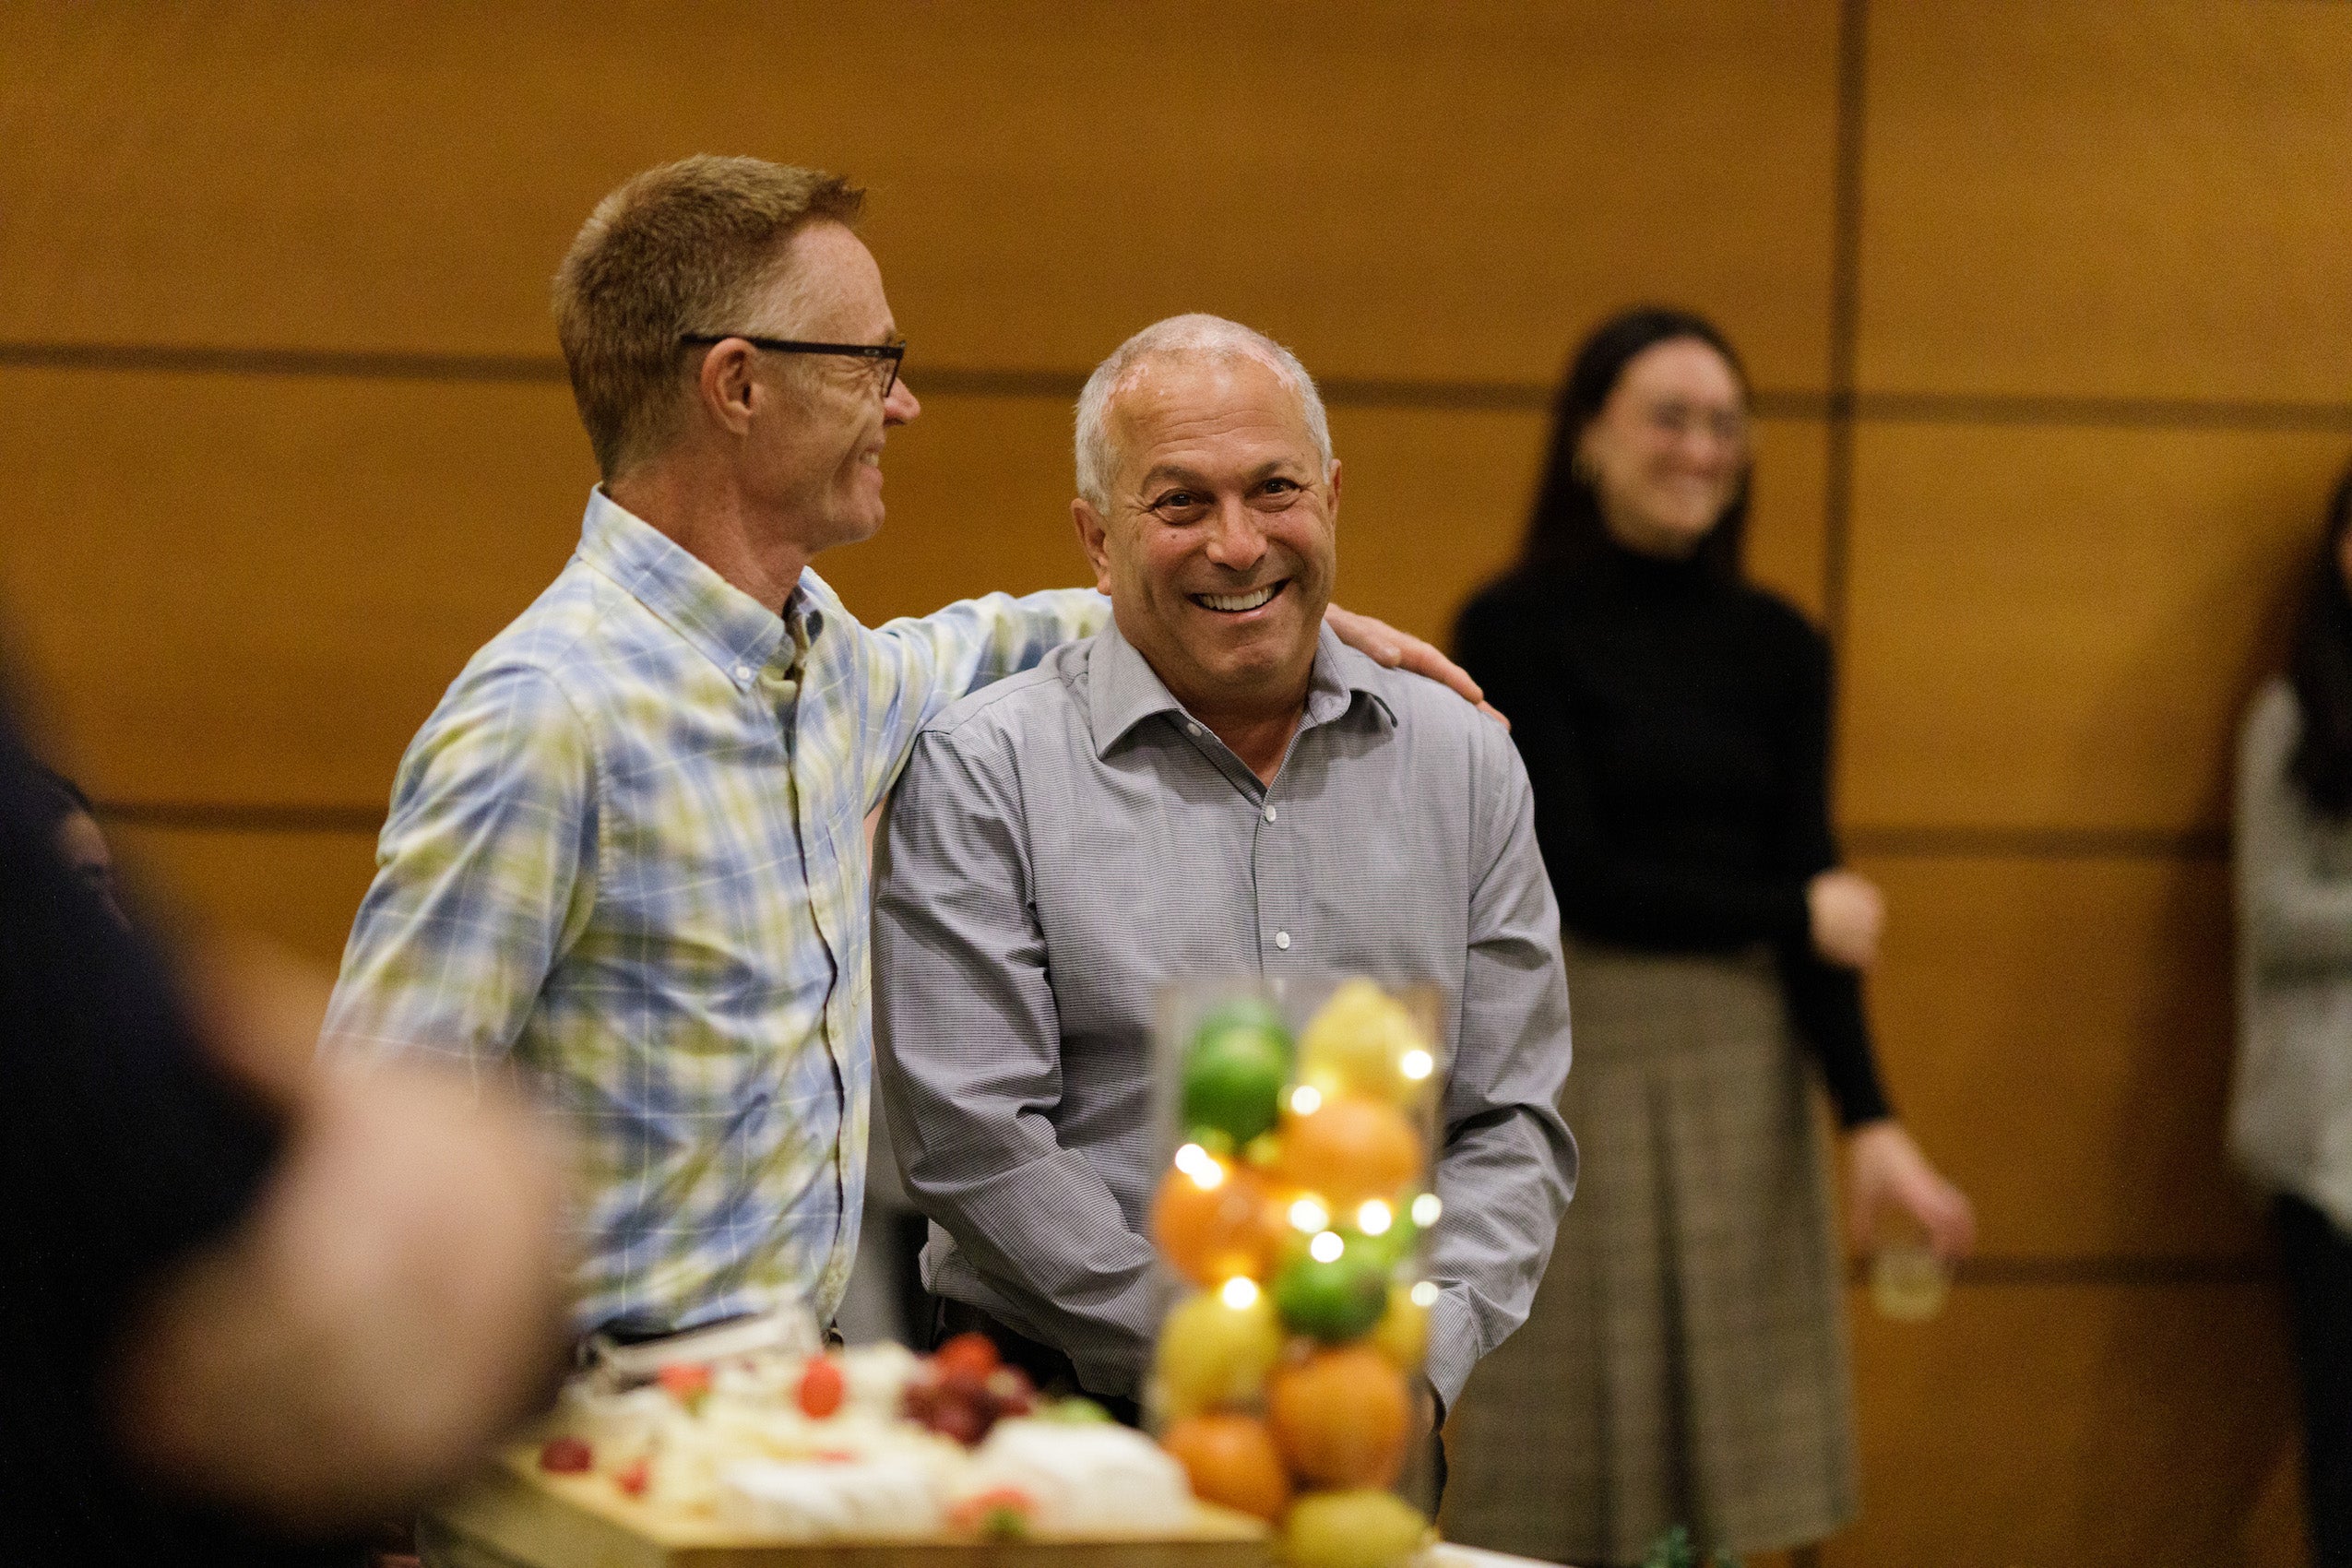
(625, 855)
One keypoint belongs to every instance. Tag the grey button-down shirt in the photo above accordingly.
(1066, 842)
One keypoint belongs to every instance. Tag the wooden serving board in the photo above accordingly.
(517, 1515)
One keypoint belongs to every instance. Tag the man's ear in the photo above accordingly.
(725, 387)
(1334, 481)
(1094, 538)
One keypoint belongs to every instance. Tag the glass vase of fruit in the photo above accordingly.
(1300, 1118)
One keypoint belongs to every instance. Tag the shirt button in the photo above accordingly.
(1192, 730)
(742, 671)
(1282, 940)
(1269, 813)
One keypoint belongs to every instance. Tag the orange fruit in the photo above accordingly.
(1340, 1416)
(1210, 1233)
(1349, 1148)
(1232, 1461)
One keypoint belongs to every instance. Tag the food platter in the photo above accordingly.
(518, 1516)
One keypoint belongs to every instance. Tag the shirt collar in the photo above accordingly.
(725, 624)
(1123, 690)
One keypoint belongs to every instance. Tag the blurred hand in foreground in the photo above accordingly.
(391, 1306)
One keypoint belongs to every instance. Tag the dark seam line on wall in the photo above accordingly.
(2041, 843)
(1845, 312)
(227, 817)
(2143, 1271)
(1362, 392)
(2120, 413)
(355, 364)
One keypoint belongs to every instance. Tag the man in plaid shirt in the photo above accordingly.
(624, 855)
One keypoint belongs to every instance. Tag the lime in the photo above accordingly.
(1243, 1013)
(1337, 1296)
(1394, 1242)
(1233, 1081)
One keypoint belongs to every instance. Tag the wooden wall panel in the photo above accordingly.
(2148, 199)
(1433, 503)
(2055, 627)
(266, 582)
(1398, 190)
(2058, 1034)
(245, 591)
(253, 590)
(296, 888)
(2097, 1426)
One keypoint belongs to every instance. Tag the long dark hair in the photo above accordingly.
(2320, 667)
(1567, 530)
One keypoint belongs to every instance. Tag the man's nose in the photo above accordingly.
(1235, 541)
(901, 405)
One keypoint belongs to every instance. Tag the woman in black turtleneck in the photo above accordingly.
(1685, 1363)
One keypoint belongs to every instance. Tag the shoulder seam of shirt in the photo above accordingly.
(523, 634)
(967, 710)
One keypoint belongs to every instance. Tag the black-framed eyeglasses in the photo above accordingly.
(887, 357)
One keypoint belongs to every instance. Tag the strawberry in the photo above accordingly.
(822, 1386)
(971, 1354)
(686, 1382)
(1003, 1513)
(566, 1456)
(632, 1477)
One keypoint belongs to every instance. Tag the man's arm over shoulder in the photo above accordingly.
(969, 1049)
(1509, 1164)
(919, 665)
(484, 873)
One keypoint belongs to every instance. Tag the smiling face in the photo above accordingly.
(1220, 547)
(817, 463)
(1669, 450)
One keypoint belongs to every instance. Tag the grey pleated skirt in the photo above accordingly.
(1685, 1361)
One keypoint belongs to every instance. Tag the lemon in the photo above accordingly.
(1361, 1529)
(1402, 1332)
(1363, 1042)
(1212, 1353)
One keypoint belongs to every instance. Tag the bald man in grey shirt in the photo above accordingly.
(1210, 787)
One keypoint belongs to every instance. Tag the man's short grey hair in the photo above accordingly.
(1180, 336)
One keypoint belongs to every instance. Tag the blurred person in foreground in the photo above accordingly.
(1210, 787)
(2290, 1120)
(64, 812)
(625, 854)
(1685, 1360)
(249, 1309)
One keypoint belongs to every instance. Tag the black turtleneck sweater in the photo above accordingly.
(1676, 730)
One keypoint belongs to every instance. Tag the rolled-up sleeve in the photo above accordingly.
(969, 1049)
(484, 873)
(1509, 1164)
